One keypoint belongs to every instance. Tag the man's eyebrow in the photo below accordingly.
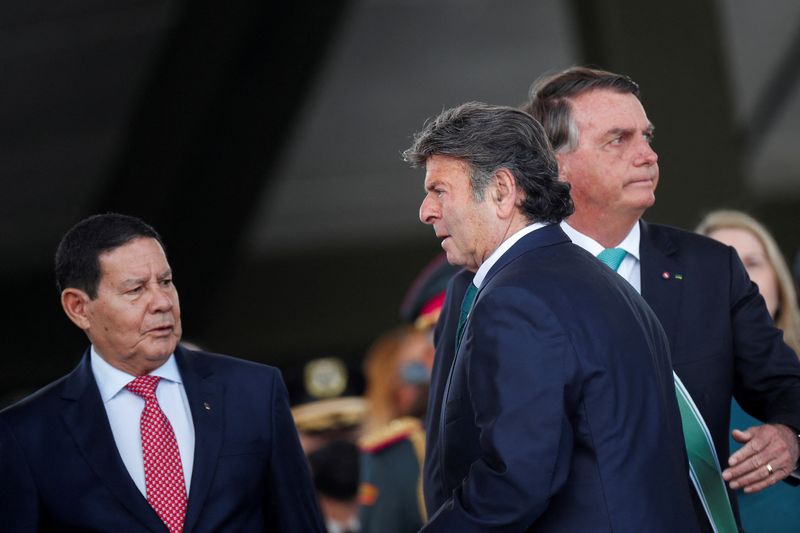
(132, 282)
(650, 129)
(619, 131)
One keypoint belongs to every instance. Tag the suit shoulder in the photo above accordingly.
(37, 403)
(397, 431)
(686, 243)
(222, 362)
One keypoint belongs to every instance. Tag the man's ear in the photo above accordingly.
(506, 195)
(75, 303)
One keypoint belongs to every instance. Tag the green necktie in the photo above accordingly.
(703, 465)
(466, 307)
(612, 257)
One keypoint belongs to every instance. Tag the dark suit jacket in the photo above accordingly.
(444, 340)
(560, 414)
(723, 340)
(60, 469)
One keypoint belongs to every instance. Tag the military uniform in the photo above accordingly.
(390, 494)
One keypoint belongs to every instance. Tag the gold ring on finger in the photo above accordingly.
(770, 471)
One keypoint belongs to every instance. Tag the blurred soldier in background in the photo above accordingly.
(329, 410)
(335, 471)
(397, 370)
(329, 420)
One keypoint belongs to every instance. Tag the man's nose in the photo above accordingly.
(161, 298)
(647, 155)
(427, 211)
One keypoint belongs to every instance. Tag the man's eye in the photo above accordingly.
(136, 290)
(616, 140)
(166, 282)
(649, 138)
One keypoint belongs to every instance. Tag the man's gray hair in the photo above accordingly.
(487, 138)
(549, 100)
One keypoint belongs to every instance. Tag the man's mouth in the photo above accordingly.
(162, 330)
(642, 181)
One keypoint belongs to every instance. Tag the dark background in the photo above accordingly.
(263, 141)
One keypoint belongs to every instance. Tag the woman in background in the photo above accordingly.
(776, 508)
(764, 263)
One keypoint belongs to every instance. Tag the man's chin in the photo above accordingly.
(642, 202)
(454, 259)
(460, 262)
(649, 202)
(161, 350)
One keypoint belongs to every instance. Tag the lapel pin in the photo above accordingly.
(206, 406)
(667, 275)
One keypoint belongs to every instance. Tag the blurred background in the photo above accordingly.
(263, 140)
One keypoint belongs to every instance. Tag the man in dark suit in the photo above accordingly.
(557, 409)
(722, 338)
(144, 435)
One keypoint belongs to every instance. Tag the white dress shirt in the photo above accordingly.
(124, 410)
(630, 268)
(487, 265)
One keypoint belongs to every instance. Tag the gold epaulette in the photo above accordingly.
(395, 431)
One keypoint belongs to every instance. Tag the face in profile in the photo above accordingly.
(752, 253)
(457, 218)
(134, 322)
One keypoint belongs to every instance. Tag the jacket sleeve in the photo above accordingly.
(767, 381)
(291, 500)
(19, 503)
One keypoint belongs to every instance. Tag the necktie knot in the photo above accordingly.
(612, 257)
(144, 386)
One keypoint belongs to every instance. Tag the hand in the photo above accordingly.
(771, 444)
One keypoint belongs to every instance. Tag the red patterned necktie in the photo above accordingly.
(163, 472)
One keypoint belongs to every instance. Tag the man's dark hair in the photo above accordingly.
(78, 253)
(488, 138)
(334, 468)
(549, 100)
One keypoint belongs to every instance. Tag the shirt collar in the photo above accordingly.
(487, 265)
(111, 380)
(630, 243)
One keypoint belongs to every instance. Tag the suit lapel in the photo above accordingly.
(546, 236)
(660, 287)
(87, 421)
(206, 404)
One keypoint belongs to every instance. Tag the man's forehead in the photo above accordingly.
(607, 104)
(137, 257)
(442, 166)
(135, 246)
(608, 109)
